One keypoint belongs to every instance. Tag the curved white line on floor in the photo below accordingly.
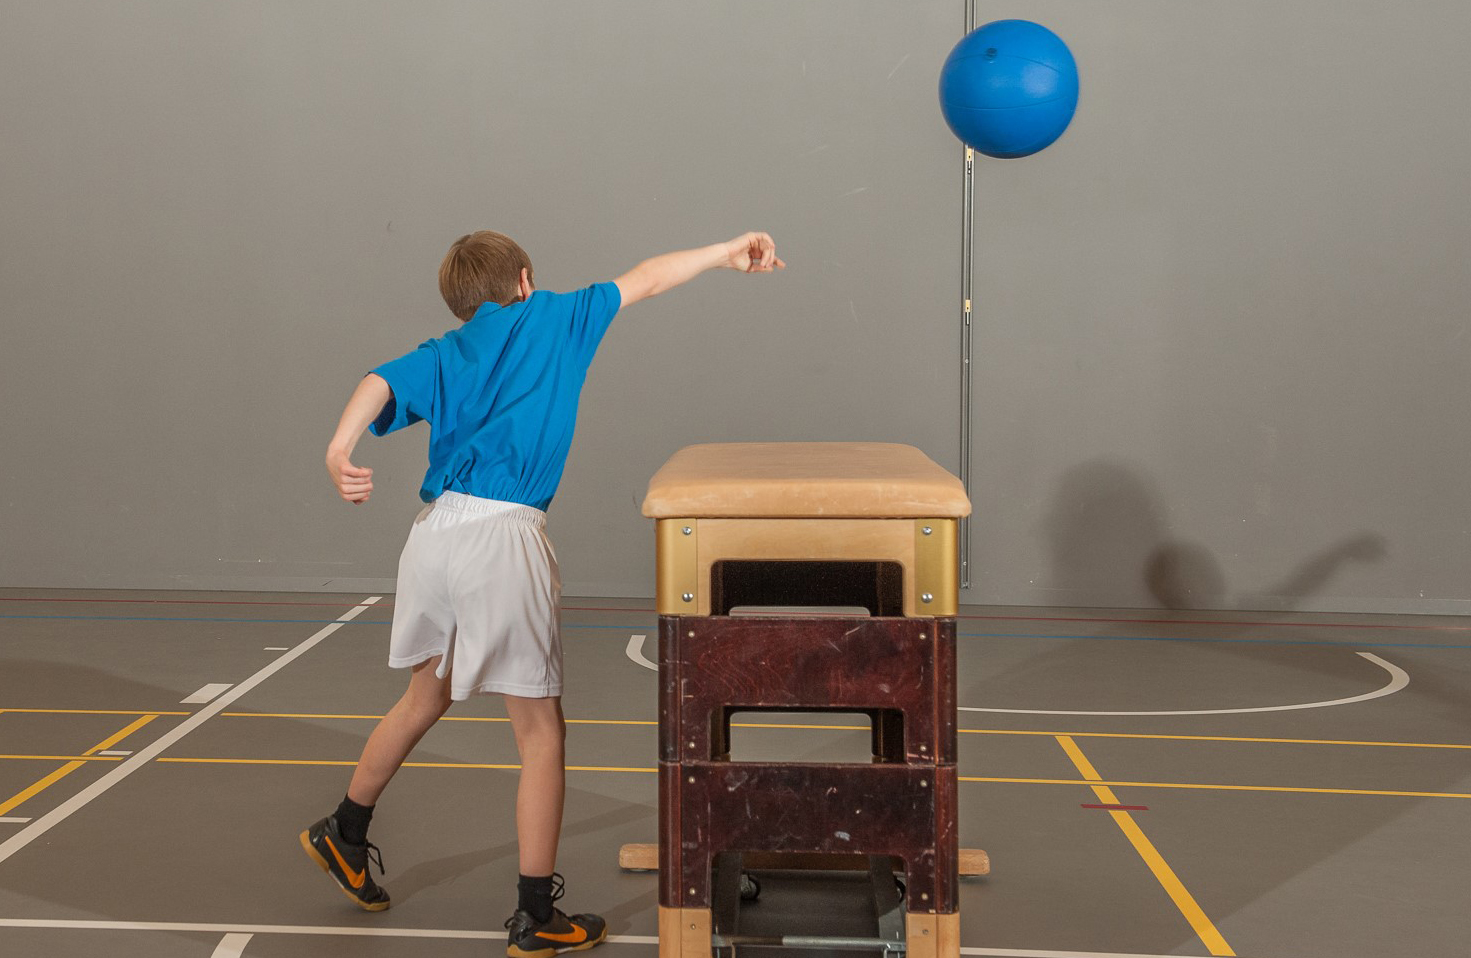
(232, 945)
(635, 652)
(1398, 679)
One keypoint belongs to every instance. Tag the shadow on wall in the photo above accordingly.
(1111, 545)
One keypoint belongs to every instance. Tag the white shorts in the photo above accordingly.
(478, 584)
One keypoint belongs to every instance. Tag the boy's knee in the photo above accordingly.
(540, 730)
(429, 702)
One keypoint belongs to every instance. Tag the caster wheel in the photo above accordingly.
(750, 887)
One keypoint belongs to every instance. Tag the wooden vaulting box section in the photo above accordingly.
(878, 505)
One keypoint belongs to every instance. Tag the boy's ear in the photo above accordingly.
(525, 284)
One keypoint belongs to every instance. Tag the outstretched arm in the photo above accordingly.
(749, 253)
(355, 483)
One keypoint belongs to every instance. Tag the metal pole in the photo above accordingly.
(967, 229)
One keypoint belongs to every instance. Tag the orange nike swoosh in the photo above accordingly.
(574, 937)
(355, 879)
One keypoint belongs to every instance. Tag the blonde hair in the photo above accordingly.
(482, 267)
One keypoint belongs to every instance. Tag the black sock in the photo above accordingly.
(536, 897)
(352, 821)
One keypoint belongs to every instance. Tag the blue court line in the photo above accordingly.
(963, 635)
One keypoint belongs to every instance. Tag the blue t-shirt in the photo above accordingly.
(500, 394)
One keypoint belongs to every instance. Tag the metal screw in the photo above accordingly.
(927, 597)
(687, 530)
(922, 748)
(923, 636)
(927, 530)
(691, 780)
(693, 892)
(692, 745)
(924, 896)
(690, 597)
(692, 635)
(923, 783)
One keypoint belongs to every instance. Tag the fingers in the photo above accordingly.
(355, 493)
(354, 483)
(761, 253)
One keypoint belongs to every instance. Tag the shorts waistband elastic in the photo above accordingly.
(494, 508)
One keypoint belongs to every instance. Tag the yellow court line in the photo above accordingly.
(570, 721)
(65, 758)
(650, 723)
(469, 765)
(1228, 788)
(864, 728)
(94, 711)
(36, 788)
(1214, 738)
(1194, 914)
(119, 736)
(990, 780)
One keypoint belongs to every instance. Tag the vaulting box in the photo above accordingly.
(807, 577)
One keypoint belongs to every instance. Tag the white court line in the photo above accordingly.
(635, 651)
(205, 693)
(1398, 679)
(145, 755)
(274, 648)
(370, 932)
(13, 820)
(116, 751)
(232, 945)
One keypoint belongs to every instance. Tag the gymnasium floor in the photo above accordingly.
(1296, 785)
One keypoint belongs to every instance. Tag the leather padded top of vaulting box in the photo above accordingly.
(804, 480)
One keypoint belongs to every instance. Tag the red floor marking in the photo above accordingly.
(1120, 808)
(1224, 622)
(333, 605)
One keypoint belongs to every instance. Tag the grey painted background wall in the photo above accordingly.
(1221, 325)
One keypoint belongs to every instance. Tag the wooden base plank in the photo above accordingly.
(684, 932)
(932, 936)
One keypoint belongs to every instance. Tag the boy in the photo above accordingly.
(478, 587)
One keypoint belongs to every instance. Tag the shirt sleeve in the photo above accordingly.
(414, 380)
(593, 310)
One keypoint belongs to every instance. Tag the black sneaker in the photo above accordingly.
(347, 864)
(529, 938)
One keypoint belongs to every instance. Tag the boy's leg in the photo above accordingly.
(338, 843)
(541, 735)
(538, 929)
(425, 702)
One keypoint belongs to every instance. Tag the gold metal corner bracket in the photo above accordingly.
(676, 559)
(936, 567)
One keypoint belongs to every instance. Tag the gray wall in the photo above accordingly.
(1221, 348)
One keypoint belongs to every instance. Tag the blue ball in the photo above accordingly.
(1009, 88)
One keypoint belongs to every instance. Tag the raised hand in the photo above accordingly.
(753, 253)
